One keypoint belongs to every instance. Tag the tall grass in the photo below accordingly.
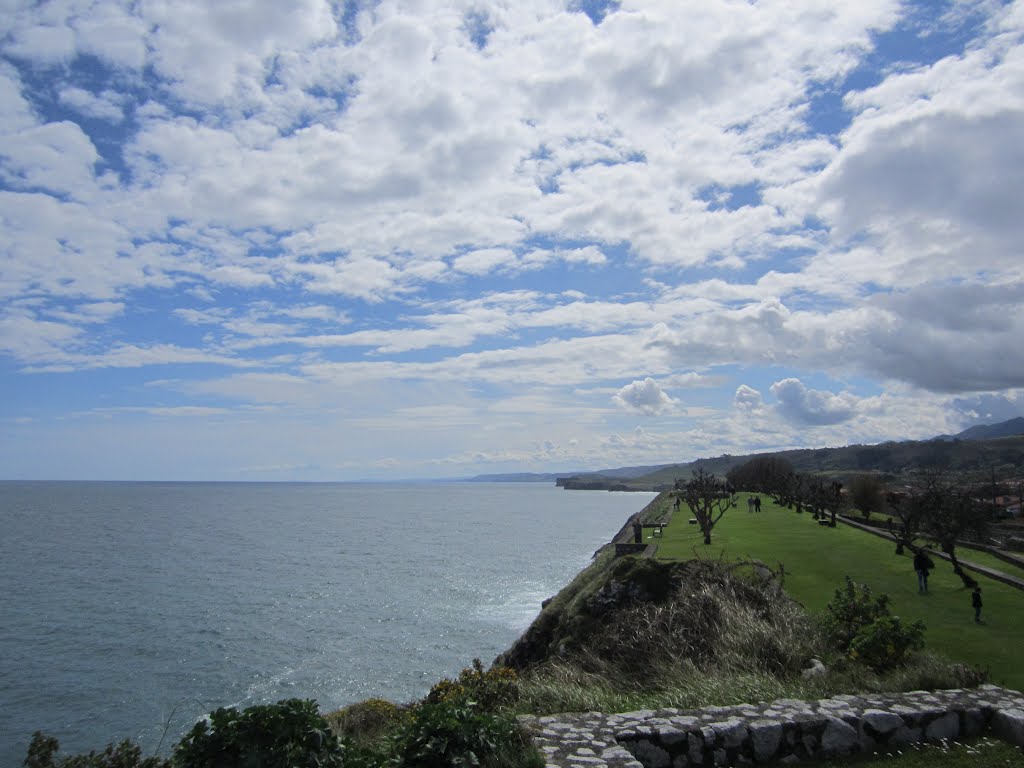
(721, 638)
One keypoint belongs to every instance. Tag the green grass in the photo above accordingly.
(989, 561)
(817, 558)
(984, 753)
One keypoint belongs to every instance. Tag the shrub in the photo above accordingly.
(43, 749)
(456, 733)
(367, 722)
(885, 643)
(465, 722)
(863, 627)
(490, 689)
(288, 734)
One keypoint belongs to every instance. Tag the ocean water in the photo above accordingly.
(132, 609)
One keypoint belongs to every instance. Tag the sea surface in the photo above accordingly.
(133, 609)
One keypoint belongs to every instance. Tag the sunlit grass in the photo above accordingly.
(817, 558)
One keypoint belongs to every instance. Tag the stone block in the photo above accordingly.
(972, 723)
(880, 724)
(669, 737)
(810, 744)
(905, 735)
(695, 748)
(765, 737)
(945, 728)
(839, 738)
(651, 755)
(730, 733)
(1008, 725)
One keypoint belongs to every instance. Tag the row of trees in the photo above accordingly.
(936, 508)
(776, 478)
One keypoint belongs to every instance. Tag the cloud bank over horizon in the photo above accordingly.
(370, 239)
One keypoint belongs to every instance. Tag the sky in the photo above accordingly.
(421, 239)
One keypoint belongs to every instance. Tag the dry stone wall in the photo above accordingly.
(783, 731)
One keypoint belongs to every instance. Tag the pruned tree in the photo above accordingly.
(833, 500)
(867, 494)
(708, 498)
(762, 474)
(955, 515)
(910, 510)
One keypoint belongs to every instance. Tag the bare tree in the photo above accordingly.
(761, 474)
(955, 516)
(867, 493)
(708, 499)
(909, 509)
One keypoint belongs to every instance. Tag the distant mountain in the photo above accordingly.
(970, 452)
(893, 459)
(1009, 428)
(516, 477)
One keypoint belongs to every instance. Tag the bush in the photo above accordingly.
(465, 722)
(456, 733)
(43, 749)
(885, 643)
(863, 627)
(490, 689)
(367, 722)
(288, 734)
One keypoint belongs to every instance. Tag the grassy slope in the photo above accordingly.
(817, 558)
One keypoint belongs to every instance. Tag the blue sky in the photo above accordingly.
(365, 240)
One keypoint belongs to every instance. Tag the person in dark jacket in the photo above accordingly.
(922, 564)
(976, 602)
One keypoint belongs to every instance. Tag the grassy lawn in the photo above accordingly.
(984, 753)
(974, 556)
(990, 561)
(816, 559)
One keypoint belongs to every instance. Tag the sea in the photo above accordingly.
(131, 610)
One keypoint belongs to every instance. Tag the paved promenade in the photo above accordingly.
(784, 731)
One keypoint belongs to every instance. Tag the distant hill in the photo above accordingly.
(989, 431)
(981, 448)
(517, 477)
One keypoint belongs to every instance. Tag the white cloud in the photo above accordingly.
(652, 188)
(810, 406)
(483, 261)
(105, 106)
(645, 396)
(747, 399)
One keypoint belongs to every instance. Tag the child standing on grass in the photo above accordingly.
(976, 602)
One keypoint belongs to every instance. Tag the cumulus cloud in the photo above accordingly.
(747, 399)
(526, 196)
(105, 106)
(810, 406)
(644, 396)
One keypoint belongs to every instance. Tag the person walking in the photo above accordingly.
(976, 603)
(922, 564)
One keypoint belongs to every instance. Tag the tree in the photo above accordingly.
(833, 500)
(955, 515)
(761, 474)
(708, 498)
(909, 509)
(867, 493)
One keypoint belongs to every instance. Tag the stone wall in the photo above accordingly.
(784, 731)
(790, 730)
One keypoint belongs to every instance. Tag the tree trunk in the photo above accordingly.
(965, 577)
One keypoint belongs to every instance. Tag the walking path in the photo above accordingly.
(786, 730)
